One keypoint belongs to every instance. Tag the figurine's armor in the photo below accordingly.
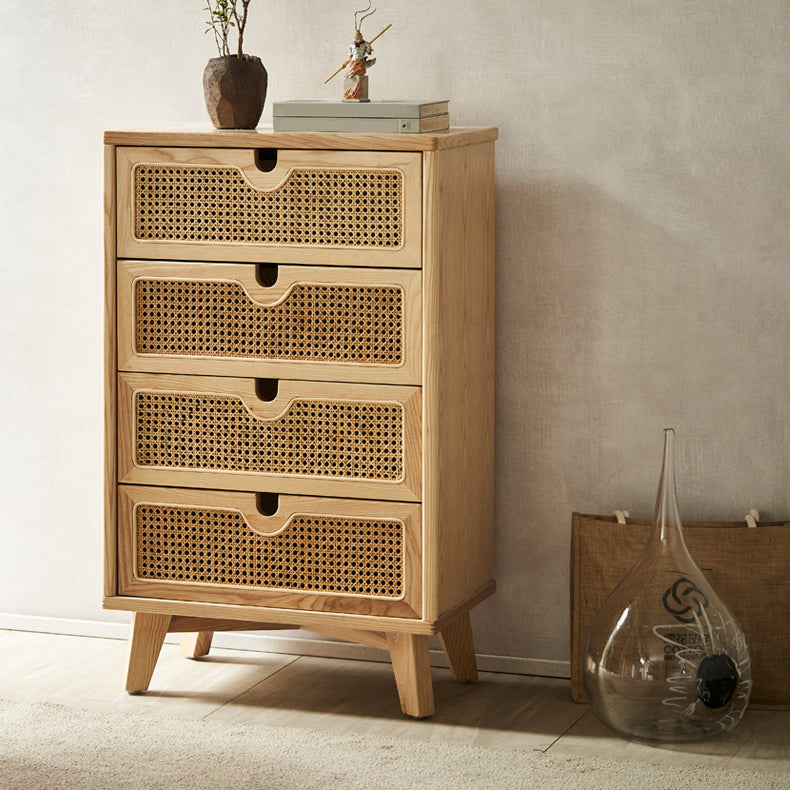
(358, 51)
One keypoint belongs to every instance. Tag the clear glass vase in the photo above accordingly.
(665, 660)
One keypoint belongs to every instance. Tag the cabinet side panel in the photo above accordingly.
(110, 361)
(459, 374)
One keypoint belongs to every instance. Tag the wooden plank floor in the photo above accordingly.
(507, 711)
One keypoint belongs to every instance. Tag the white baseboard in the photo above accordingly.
(62, 625)
(285, 642)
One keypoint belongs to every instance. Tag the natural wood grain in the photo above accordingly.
(148, 635)
(310, 620)
(350, 253)
(403, 486)
(458, 374)
(245, 504)
(196, 644)
(375, 639)
(408, 281)
(182, 625)
(204, 135)
(478, 596)
(458, 645)
(442, 489)
(412, 667)
(110, 364)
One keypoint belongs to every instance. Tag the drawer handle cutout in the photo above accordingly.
(266, 389)
(266, 159)
(266, 274)
(267, 503)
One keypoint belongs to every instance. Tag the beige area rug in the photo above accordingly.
(53, 747)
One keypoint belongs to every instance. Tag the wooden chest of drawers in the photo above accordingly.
(299, 390)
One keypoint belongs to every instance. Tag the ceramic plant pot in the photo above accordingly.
(235, 91)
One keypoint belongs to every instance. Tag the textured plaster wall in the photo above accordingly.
(643, 184)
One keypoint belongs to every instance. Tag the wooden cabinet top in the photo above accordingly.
(201, 135)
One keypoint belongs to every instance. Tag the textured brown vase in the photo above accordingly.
(235, 90)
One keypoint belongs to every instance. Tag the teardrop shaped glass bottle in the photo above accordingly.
(665, 660)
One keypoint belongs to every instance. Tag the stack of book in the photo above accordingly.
(384, 117)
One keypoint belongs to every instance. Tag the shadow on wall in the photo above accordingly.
(611, 327)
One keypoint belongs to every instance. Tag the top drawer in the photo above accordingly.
(349, 208)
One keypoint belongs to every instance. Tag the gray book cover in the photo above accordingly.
(433, 123)
(331, 108)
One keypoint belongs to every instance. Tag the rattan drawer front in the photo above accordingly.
(313, 437)
(331, 207)
(350, 556)
(323, 323)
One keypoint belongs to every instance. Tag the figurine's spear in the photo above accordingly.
(346, 63)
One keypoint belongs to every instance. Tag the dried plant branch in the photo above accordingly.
(241, 23)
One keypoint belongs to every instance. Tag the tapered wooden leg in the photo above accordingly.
(459, 646)
(148, 634)
(196, 644)
(412, 667)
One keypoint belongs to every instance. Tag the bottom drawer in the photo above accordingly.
(289, 552)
